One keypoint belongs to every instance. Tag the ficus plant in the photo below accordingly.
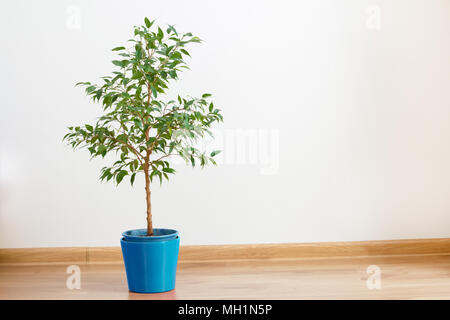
(143, 130)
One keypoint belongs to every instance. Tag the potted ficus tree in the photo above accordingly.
(145, 132)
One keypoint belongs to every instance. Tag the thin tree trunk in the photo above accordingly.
(146, 171)
(149, 203)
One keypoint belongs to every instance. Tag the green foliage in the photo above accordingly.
(140, 128)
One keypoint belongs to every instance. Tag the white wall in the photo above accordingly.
(349, 116)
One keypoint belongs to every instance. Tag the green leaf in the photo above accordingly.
(160, 34)
(176, 55)
(133, 176)
(147, 23)
(171, 29)
(160, 177)
(206, 95)
(138, 50)
(118, 48)
(122, 137)
(173, 74)
(120, 175)
(168, 170)
(101, 150)
(138, 123)
(215, 153)
(152, 174)
(202, 160)
(185, 52)
(155, 94)
(90, 89)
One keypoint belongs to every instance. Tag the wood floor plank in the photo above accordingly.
(402, 277)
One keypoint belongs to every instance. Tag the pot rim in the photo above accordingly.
(159, 234)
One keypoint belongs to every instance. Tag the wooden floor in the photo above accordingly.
(402, 277)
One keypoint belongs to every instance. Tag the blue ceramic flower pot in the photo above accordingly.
(150, 262)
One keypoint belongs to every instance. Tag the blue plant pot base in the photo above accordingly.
(150, 262)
